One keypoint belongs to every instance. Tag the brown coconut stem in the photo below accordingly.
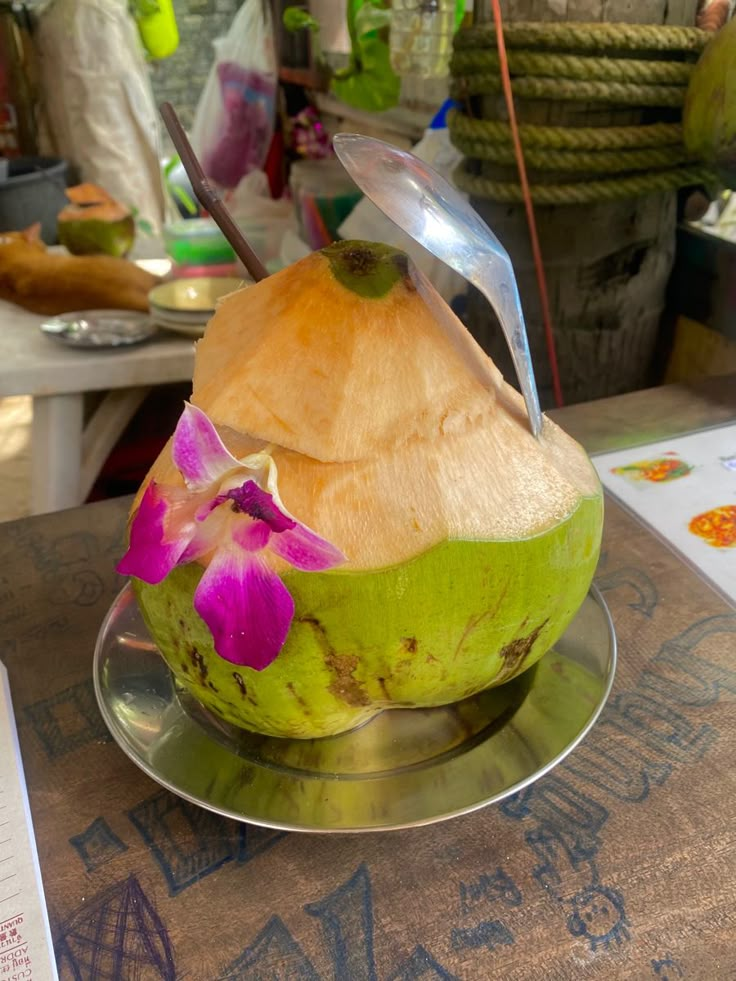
(208, 196)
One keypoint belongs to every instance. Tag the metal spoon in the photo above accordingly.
(435, 214)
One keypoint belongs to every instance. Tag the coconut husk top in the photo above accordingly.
(391, 429)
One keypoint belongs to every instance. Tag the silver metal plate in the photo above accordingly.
(404, 768)
(99, 328)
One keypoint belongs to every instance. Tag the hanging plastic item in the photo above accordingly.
(157, 26)
(421, 36)
(235, 117)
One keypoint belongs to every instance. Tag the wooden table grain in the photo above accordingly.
(621, 863)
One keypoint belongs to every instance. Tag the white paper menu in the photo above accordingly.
(685, 490)
(26, 950)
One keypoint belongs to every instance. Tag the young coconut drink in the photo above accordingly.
(94, 223)
(353, 514)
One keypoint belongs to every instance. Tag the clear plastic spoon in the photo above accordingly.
(429, 209)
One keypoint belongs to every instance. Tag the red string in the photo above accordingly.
(528, 205)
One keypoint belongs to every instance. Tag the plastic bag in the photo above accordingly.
(263, 220)
(234, 122)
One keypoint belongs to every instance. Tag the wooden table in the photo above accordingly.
(68, 451)
(621, 863)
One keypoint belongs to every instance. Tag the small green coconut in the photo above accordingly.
(709, 116)
(94, 223)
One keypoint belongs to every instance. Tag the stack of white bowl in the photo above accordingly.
(186, 305)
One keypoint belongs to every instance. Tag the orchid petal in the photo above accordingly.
(197, 450)
(207, 536)
(152, 550)
(259, 504)
(206, 509)
(305, 549)
(272, 480)
(260, 464)
(246, 606)
(251, 535)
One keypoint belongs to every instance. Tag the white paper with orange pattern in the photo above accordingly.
(684, 489)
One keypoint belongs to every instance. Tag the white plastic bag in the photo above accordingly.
(234, 121)
(262, 219)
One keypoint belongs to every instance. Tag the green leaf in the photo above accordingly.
(371, 18)
(369, 81)
(299, 19)
(372, 85)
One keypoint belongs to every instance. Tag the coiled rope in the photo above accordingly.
(559, 138)
(584, 192)
(595, 162)
(555, 65)
(615, 78)
(586, 37)
(594, 63)
(555, 73)
(569, 90)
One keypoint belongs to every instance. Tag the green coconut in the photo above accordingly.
(469, 544)
(709, 116)
(417, 766)
(94, 223)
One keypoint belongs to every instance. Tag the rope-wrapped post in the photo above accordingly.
(600, 108)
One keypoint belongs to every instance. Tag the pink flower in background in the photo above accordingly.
(231, 509)
(309, 137)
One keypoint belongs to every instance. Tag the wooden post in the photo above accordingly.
(607, 265)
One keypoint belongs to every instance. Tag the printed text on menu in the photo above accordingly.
(26, 953)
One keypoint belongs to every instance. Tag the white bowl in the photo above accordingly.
(198, 295)
(180, 316)
(188, 330)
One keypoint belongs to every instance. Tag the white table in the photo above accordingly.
(67, 453)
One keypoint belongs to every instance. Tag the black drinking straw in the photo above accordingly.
(208, 196)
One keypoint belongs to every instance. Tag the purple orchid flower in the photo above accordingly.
(230, 508)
